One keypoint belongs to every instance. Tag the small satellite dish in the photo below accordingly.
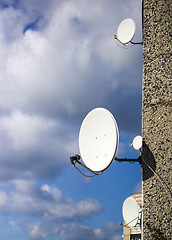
(131, 212)
(98, 139)
(126, 31)
(137, 143)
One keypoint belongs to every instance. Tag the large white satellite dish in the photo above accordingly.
(131, 212)
(126, 31)
(137, 142)
(98, 139)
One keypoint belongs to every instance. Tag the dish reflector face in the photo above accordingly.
(126, 30)
(98, 139)
(137, 142)
(130, 211)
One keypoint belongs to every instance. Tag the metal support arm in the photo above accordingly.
(75, 159)
(139, 159)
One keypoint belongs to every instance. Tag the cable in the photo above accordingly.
(161, 180)
(125, 46)
(95, 174)
(126, 225)
(75, 159)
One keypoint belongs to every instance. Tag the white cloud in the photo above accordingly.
(58, 215)
(3, 199)
(60, 71)
(46, 202)
(56, 193)
(52, 74)
(73, 56)
(31, 141)
(24, 131)
(88, 206)
(11, 23)
(37, 233)
(84, 232)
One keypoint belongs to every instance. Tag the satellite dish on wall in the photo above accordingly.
(137, 143)
(126, 31)
(131, 212)
(98, 139)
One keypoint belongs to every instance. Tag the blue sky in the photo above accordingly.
(58, 61)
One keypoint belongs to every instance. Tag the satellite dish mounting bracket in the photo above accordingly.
(125, 44)
(136, 43)
(75, 159)
(139, 159)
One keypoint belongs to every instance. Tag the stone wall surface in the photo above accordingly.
(157, 120)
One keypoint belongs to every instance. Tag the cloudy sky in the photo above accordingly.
(58, 61)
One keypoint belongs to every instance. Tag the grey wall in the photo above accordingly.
(157, 119)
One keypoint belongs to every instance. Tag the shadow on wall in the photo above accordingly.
(148, 162)
(155, 213)
(156, 233)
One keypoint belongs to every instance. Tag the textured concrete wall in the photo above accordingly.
(157, 119)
